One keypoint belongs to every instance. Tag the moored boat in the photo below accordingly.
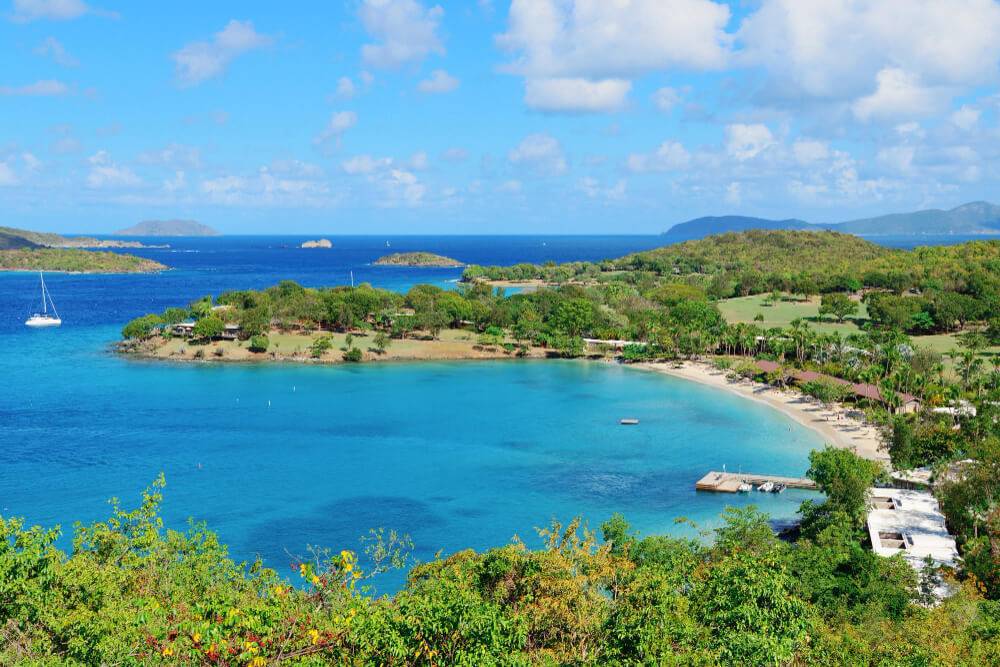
(44, 318)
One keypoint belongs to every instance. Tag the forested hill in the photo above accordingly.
(764, 251)
(764, 260)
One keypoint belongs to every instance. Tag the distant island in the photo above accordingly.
(75, 260)
(23, 250)
(168, 228)
(427, 259)
(318, 243)
(974, 218)
(13, 239)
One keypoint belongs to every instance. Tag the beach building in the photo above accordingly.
(183, 328)
(859, 390)
(910, 523)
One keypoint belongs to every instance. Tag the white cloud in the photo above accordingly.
(266, 189)
(403, 187)
(438, 82)
(576, 94)
(52, 10)
(173, 155)
(175, 184)
(747, 141)
(346, 88)
(599, 42)
(666, 98)
(898, 93)
(296, 168)
(965, 117)
(364, 164)
(105, 173)
(394, 183)
(340, 122)
(540, 152)
(199, 61)
(593, 189)
(897, 158)
(7, 175)
(43, 88)
(838, 50)
(808, 151)
(53, 48)
(734, 193)
(31, 162)
(405, 31)
(670, 156)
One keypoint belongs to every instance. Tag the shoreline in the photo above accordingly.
(5, 269)
(839, 426)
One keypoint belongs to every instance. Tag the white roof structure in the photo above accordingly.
(907, 522)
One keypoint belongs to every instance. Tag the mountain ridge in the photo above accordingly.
(977, 217)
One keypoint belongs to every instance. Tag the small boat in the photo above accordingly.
(628, 421)
(778, 488)
(744, 487)
(44, 319)
(766, 487)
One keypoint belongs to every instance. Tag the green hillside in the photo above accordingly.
(75, 261)
(763, 251)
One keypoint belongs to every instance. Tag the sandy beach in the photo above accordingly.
(839, 426)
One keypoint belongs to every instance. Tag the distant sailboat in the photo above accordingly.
(44, 319)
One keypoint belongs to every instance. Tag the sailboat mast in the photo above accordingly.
(47, 298)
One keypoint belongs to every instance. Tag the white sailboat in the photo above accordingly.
(44, 319)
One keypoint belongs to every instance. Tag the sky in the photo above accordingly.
(488, 116)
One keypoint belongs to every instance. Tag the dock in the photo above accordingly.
(729, 482)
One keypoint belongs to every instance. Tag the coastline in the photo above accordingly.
(839, 426)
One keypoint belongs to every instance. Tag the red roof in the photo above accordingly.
(860, 389)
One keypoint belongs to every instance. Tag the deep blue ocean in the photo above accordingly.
(275, 458)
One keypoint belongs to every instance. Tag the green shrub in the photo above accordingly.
(141, 328)
(259, 343)
(353, 355)
(208, 328)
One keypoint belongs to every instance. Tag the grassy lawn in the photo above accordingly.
(947, 344)
(450, 344)
(781, 313)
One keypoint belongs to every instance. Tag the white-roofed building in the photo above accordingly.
(910, 523)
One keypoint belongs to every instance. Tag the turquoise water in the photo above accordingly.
(461, 454)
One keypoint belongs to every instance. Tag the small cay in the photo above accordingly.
(417, 259)
(318, 243)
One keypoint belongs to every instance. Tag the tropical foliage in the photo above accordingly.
(132, 592)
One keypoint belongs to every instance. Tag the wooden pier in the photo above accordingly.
(729, 482)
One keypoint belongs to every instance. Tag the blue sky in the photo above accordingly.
(556, 116)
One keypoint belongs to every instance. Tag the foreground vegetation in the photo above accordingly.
(75, 261)
(133, 593)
